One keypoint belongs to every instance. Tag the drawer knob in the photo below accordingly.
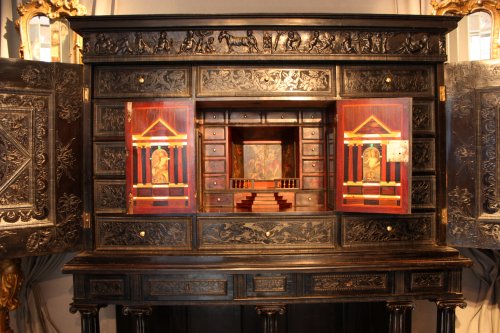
(142, 234)
(310, 199)
(388, 79)
(314, 165)
(389, 228)
(245, 115)
(215, 183)
(215, 150)
(312, 116)
(214, 116)
(313, 149)
(141, 80)
(214, 133)
(282, 116)
(312, 133)
(268, 233)
(218, 199)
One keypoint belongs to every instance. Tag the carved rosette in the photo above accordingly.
(370, 230)
(233, 233)
(261, 42)
(264, 81)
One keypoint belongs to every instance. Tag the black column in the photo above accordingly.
(139, 314)
(400, 316)
(269, 313)
(446, 314)
(89, 314)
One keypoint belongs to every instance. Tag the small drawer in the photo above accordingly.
(423, 192)
(312, 133)
(244, 117)
(214, 133)
(107, 287)
(312, 166)
(219, 199)
(312, 149)
(215, 150)
(215, 183)
(145, 233)
(109, 158)
(109, 119)
(187, 286)
(312, 182)
(312, 116)
(282, 117)
(109, 196)
(142, 81)
(347, 283)
(214, 117)
(423, 154)
(271, 285)
(309, 198)
(215, 166)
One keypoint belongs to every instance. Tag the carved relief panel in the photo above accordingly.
(473, 111)
(40, 157)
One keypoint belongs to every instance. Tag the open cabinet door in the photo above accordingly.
(473, 155)
(41, 140)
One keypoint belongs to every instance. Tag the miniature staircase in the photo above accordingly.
(264, 202)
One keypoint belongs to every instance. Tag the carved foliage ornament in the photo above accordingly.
(262, 42)
(349, 282)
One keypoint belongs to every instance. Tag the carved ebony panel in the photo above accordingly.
(473, 171)
(423, 121)
(423, 155)
(110, 196)
(109, 158)
(360, 283)
(423, 192)
(109, 119)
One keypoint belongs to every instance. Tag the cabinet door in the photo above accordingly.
(472, 111)
(41, 140)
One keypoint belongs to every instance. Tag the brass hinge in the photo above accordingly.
(86, 94)
(86, 220)
(442, 93)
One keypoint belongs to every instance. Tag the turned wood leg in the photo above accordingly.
(398, 313)
(446, 314)
(89, 314)
(10, 282)
(138, 314)
(269, 313)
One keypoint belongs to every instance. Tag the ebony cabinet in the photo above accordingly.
(264, 231)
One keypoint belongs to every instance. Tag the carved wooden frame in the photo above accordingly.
(467, 7)
(54, 10)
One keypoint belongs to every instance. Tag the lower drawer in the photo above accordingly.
(140, 233)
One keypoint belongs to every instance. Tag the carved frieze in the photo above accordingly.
(109, 119)
(109, 158)
(173, 234)
(338, 283)
(142, 82)
(366, 230)
(261, 81)
(376, 80)
(427, 280)
(110, 196)
(260, 42)
(251, 233)
(186, 287)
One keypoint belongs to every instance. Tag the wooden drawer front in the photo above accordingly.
(387, 230)
(252, 233)
(282, 117)
(347, 283)
(312, 182)
(309, 198)
(271, 285)
(215, 166)
(423, 192)
(134, 233)
(312, 166)
(187, 286)
(107, 287)
(214, 117)
(312, 149)
(383, 80)
(423, 117)
(214, 133)
(109, 158)
(142, 82)
(312, 117)
(426, 281)
(423, 155)
(312, 133)
(215, 150)
(110, 196)
(109, 119)
(215, 183)
(244, 117)
(219, 199)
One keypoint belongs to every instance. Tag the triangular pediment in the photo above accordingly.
(372, 125)
(159, 128)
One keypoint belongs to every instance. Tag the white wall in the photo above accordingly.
(57, 290)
